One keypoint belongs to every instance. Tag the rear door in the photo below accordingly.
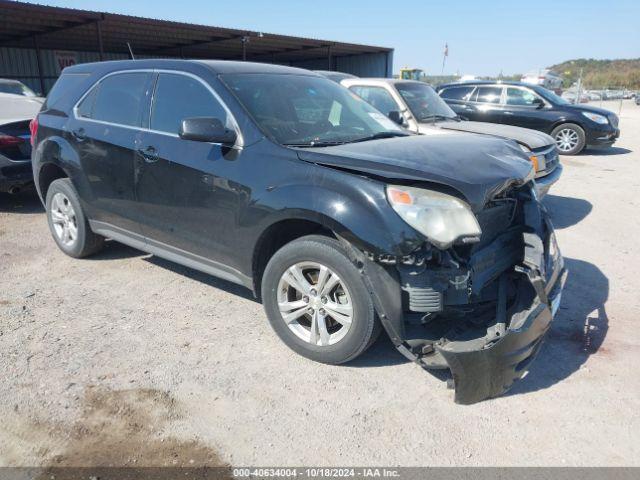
(484, 104)
(183, 186)
(105, 131)
(458, 98)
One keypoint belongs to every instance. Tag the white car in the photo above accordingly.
(416, 106)
(18, 106)
(545, 78)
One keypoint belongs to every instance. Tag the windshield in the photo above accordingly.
(16, 88)
(550, 96)
(424, 102)
(304, 110)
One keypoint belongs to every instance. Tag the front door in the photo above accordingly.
(521, 109)
(184, 187)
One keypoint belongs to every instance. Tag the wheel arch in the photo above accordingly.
(53, 158)
(276, 236)
(47, 174)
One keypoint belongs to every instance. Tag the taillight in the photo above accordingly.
(33, 128)
(10, 141)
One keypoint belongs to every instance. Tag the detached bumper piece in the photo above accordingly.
(488, 367)
(482, 313)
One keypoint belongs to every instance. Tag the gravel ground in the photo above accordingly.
(126, 359)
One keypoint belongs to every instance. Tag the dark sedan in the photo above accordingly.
(572, 126)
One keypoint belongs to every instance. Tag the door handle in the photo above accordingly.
(79, 134)
(508, 113)
(150, 154)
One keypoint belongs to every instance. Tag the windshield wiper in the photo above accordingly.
(439, 117)
(313, 144)
(380, 135)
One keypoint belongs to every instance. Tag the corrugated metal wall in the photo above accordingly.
(21, 64)
(364, 65)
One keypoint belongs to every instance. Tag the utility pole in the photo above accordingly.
(579, 88)
(444, 57)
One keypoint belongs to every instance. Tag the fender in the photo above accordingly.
(357, 211)
(57, 151)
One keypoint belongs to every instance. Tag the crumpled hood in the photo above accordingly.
(530, 138)
(478, 167)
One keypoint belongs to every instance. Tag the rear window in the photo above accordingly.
(457, 93)
(117, 99)
(67, 84)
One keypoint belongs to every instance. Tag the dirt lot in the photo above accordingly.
(126, 359)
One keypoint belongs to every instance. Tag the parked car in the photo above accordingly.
(335, 76)
(417, 107)
(594, 95)
(637, 99)
(572, 126)
(571, 96)
(16, 87)
(545, 78)
(343, 223)
(16, 111)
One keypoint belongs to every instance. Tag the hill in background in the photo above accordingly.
(601, 73)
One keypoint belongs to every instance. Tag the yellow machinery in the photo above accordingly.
(411, 73)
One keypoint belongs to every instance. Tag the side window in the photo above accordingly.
(66, 84)
(457, 93)
(118, 99)
(520, 96)
(488, 94)
(377, 97)
(178, 97)
(85, 109)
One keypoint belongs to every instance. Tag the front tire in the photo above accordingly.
(570, 138)
(317, 302)
(67, 222)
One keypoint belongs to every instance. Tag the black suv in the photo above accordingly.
(531, 106)
(281, 180)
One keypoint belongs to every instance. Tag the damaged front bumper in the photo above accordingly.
(503, 300)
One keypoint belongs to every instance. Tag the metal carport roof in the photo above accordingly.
(37, 26)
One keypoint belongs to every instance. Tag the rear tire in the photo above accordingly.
(67, 222)
(340, 293)
(570, 138)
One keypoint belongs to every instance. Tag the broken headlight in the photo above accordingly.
(443, 219)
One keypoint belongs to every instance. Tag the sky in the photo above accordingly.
(484, 37)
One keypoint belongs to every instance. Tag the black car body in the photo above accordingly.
(228, 196)
(531, 106)
(15, 155)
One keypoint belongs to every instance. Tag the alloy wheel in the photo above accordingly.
(567, 139)
(63, 218)
(315, 303)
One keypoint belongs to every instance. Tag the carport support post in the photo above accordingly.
(39, 64)
(99, 39)
(329, 58)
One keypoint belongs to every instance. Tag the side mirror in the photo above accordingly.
(396, 116)
(538, 102)
(207, 129)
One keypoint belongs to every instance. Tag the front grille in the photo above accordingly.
(551, 159)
